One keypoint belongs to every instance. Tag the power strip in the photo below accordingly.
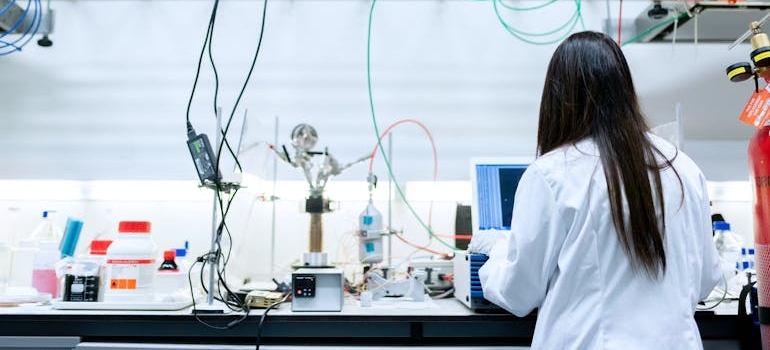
(260, 299)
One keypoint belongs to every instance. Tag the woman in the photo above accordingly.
(611, 230)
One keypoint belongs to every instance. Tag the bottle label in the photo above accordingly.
(131, 261)
(131, 274)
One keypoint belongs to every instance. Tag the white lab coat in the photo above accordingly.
(563, 257)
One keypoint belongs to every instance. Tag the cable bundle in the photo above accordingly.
(537, 38)
(26, 25)
(217, 259)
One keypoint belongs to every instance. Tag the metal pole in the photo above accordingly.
(273, 199)
(390, 199)
(213, 256)
(212, 250)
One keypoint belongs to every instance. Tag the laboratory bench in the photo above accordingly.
(444, 323)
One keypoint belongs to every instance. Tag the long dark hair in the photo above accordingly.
(589, 93)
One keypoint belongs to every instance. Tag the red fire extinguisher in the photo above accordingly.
(756, 114)
(759, 174)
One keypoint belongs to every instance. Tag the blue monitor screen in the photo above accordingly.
(496, 188)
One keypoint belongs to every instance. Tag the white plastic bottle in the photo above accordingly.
(5, 266)
(370, 235)
(729, 247)
(22, 263)
(188, 267)
(47, 230)
(182, 260)
(131, 264)
(170, 277)
(12, 234)
(44, 268)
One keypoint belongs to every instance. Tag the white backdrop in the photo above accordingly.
(107, 102)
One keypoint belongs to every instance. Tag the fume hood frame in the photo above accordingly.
(707, 22)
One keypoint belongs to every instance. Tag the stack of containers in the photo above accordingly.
(131, 264)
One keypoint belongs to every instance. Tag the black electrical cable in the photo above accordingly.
(248, 76)
(231, 324)
(221, 285)
(217, 260)
(225, 294)
(224, 210)
(211, 55)
(223, 224)
(227, 299)
(229, 296)
(234, 306)
(200, 59)
(230, 246)
(207, 44)
(224, 142)
(264, 316)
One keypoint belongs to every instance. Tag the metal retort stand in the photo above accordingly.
(303, 139)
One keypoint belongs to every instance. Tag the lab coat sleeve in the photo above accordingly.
(519, 268)
(711, 273)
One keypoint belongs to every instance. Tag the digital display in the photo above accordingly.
(304, 286)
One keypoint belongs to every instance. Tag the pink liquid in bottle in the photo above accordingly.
(45, 281)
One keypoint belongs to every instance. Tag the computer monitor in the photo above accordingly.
(494, 182)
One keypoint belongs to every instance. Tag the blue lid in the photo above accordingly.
(721, 225)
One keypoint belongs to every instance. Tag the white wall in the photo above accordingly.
(108, 100)
(733, 199)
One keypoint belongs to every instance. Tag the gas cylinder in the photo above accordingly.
(759, 176)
